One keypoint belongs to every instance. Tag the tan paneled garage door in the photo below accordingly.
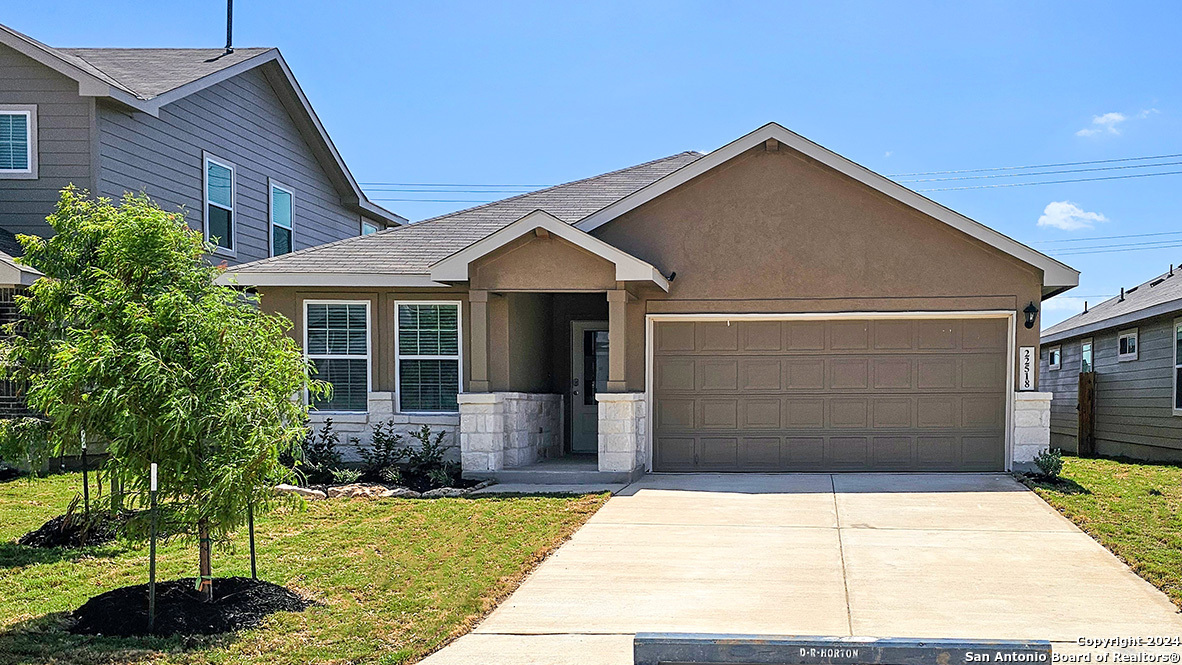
(838, 395)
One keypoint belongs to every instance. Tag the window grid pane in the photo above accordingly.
(350, 384)
(340, 330)
(428, 330)
(429, 385)
(281, 207)
(14, 142)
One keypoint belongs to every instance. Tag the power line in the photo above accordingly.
(1048, 182)
(1036, 166)
(436, 200)
(440, 184)
(1166, 243)
(1117, 251)
(1034, 173)
(1134, 235)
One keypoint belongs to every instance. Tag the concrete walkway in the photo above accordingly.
(884, 555)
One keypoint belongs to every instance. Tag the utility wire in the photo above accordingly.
(1167, 243)
(1034, 173)
(442, 184)
(436, 200)
(1116, 251)
(1134, 235)
(1048, 182)
(1036, 166)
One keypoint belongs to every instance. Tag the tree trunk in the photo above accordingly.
(205, 582)
(116, 495)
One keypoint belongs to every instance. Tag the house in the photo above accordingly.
(1133, 343)
(226, 136)
(768, 306)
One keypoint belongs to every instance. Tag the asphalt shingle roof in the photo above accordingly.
(151, 72)
(1160, 290)
(412, 249)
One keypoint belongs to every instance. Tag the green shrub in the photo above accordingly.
(385, 450)
(391, 475)
(1050, 462)
(345, 476)
(320, 455)
(428, 459)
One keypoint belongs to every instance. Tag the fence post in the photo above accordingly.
(152, 553)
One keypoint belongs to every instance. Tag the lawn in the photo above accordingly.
(1132, 509)
(393, 578)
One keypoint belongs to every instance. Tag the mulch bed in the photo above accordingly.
(238, 603)
(423, 483)
(74, 531)
(8, 473)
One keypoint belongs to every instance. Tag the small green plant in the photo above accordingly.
(345, 476)
(320, 454)
(391, 475)
(1050, 462)
(385, 450)
(428, 459)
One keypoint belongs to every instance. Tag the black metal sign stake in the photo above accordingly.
(85, 478)
(152, 553)
(254, 573)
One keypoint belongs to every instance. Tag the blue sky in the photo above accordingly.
(540, 93)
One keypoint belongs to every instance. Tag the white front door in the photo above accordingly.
(588, 376)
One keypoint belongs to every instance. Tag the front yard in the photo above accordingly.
(393, 578)
(1130, 508)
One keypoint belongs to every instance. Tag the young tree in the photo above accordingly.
(128, 338)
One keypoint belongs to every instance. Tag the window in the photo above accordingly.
(18, 141)
(428, 356)
(336, 340)
(282, 214)
(1178, 367)
(219, 204)
(1126, 345)
(1054, 357)
(368, 227)
(1085, 356)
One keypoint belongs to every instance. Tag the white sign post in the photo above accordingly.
(1026, 368)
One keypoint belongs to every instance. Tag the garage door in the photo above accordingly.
(840, 395)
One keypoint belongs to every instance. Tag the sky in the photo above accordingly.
(516, 93)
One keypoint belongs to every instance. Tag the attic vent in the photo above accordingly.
(1133, 289)
(1157, 281)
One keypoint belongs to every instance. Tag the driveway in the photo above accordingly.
(884, 555)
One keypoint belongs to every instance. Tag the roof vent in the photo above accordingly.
(1134, 288)
(1085, 307)
(1122, 294)
(229, 26)
(1157, 281)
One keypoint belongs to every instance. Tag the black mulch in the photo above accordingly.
(238, 603)
(8, 473)
(75, 531)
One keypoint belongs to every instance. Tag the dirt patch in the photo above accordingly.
(75, 530)
(238, 603)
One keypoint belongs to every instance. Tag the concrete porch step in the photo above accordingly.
(556, 472)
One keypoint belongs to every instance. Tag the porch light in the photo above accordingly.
(1031, 311)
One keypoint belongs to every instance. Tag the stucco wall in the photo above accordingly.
(778, 232)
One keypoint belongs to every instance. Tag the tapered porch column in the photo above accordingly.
(478, 328)
(617, 342)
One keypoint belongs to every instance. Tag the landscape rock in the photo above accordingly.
(302, 491)
(482, 484)
(356, 490)
(400, 493)
(442, 492)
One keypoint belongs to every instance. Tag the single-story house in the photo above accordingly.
(768, 306)
(1133, 343)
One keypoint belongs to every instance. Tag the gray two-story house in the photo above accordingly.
(226, 136)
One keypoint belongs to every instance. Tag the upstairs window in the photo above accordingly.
(368, 227)
(428, 356)
(18, 138)
(337, 342)
(1054, 357)
(219, 204)
(1178, 367)
(1126, 345)
(1085, 356)
(282, 214)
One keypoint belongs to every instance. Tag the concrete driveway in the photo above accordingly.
(883, 555)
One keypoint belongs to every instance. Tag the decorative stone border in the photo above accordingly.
(375, 491)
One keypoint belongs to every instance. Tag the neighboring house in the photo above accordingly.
(769, 306)
(1133, 343)
(227, 137)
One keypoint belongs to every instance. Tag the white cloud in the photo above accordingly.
(888, 153)
(1063, 304)
(1068, 216)
(1109, 123)
(1147, 112)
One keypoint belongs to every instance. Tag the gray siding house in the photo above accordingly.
(1133, 343)
(226, 137)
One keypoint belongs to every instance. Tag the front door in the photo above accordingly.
(588, 376)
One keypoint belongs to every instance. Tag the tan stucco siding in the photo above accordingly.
(531, 263)
(778, 232)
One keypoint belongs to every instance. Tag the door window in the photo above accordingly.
(594, 364)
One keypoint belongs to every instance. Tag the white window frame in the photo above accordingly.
(459, 357)
(30, 113)
(206, 160)
(1090, 343)
(1176, 364)
(1057, 352)
(1126, 334)
(273, 185)
(365, 222)
(338, 356)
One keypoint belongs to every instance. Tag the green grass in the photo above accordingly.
(1132, 509)
(393, 578)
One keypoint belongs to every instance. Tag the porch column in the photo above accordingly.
(478, 329)
(617, 342)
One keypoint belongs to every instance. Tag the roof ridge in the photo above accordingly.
(1149, 282)
(158, 48)
(553, 187)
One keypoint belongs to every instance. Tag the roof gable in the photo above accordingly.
(1057, 277)
(1157, 296)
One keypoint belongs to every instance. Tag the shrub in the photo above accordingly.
(391, 475)
(345, 476)
(384, 452)
(428, 460)
(1050, 462)
(320, 454)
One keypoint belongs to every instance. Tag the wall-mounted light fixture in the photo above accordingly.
(1031, 311)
